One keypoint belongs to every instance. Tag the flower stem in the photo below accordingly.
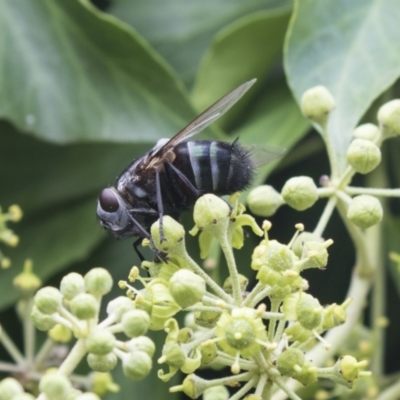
(233, 273)
(74, 358)
(29, 333)
(43, 352)
(240, 393)
(271, 327)
(257, 289)
(326, 215)
(351, 190)
(12, 348)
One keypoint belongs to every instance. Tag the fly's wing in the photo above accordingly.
(263, 155)
(202, 121)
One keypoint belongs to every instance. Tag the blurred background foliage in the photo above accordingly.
(86, 87)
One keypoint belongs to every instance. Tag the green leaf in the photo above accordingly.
(70, 72)
(352, 48)
(182, 30)
(275, 121)
(246, 49)
(39, 175)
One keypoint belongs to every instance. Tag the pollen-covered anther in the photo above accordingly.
(133, 274)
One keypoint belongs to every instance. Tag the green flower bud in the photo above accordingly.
(98, 282)
(141, 343)
(103, 383)
(27, 282)
(208, 352)
(243, 282)
(367, 132)
(174, 234)
(187, 288)
(302, 239)
(207, 319)
(137, 365)
(349, 367)
(135, 323)
(193, 386)
(300, 192)
(84, 306)
(184, 335)
(72, 285)
(268, 276)
(60, 333)
(219, 392)
(264, 201)
(316, 104)
(279, 292)
(365, 211)
(102, 363)
(159, 303)
(296, 332)
(307, 375)
(309, 311)
(389, 118)
(241, 331)
(43, 322)
(279, 257)
(48, 300)
(316, 254)
(173, 355)
(363, 155)
(290, 362)
(100, 342)
(119, 306)
(209, 209)
(55, 386)
(10, 387)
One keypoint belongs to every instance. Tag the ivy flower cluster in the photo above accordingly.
(229, 326)
(265, 334)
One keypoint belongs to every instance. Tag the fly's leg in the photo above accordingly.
(184, 179)
(144, 234)
(160, 206)
(135, 246)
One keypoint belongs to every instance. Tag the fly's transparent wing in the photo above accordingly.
(205, 119)
(263, 155)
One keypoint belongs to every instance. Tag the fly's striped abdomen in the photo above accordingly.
(214, 167)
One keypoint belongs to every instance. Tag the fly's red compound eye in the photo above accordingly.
(108, 200)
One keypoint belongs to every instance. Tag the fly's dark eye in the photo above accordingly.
(108, 200)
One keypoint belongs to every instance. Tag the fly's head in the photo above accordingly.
(113, 214)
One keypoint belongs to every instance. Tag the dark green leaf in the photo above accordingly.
(70, 72)
(182, 30)
(276, 121)
(352, 48)
(246, 49)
